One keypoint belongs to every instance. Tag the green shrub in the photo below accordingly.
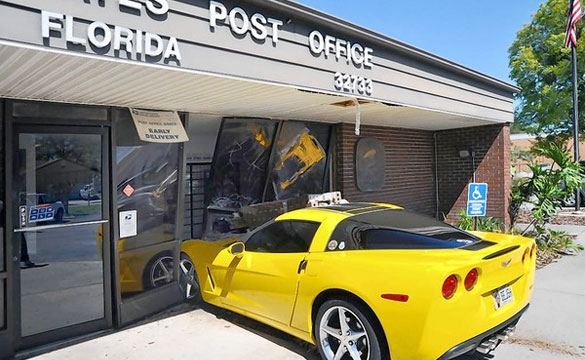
(552, 244)
(544, 188)
(487, 224)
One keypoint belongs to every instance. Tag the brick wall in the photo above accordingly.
(492, 147)
(409, 179)
(410, 172)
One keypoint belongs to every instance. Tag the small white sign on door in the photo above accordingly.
(128, 225)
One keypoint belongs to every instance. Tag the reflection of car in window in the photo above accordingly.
(150, 170)
(570, 201)
(58, 210)
(88, 192)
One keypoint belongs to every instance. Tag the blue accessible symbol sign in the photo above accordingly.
(477, 199)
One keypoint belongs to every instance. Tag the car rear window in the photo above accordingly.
(397, 229)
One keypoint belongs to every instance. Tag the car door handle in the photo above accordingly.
(302, 266)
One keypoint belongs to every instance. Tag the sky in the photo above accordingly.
(473, 33)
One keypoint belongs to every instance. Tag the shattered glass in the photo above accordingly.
(241, 162)
(300, 160)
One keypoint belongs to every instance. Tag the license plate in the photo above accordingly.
(503, 296)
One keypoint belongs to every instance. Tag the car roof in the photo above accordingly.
(361, 207)
(339, 211)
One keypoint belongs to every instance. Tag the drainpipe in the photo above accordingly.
(358, 117)
(436, 177)
(474, 180)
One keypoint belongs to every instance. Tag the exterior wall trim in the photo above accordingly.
(301, 9)
(400, 73)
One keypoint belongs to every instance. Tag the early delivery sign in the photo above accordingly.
(159, 126)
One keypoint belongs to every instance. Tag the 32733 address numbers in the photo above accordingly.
(353, 84)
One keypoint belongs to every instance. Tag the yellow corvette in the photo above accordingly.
(371, 281)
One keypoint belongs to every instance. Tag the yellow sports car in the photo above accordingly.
(371, 281)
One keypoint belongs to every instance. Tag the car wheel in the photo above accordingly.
(570, 201)
(188, 282)
(159, 271)
(345, 331)
(59, 216)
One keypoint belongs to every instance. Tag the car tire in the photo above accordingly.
(153, 272)
(330, 338)
(188, 281)
(59, 216)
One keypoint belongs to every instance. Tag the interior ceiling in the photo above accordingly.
(29, 73)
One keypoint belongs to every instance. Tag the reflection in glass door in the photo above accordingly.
(3, 269)
(60, 196)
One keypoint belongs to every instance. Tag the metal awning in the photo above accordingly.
(44, 74)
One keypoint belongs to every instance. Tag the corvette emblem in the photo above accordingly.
(506, 263)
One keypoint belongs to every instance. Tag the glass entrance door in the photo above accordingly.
(61, 232)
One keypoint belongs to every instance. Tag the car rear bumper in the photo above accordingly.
(472, 344)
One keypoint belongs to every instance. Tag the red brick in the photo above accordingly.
(410, 167)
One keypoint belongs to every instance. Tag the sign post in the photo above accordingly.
(477, 200)
(575, 14)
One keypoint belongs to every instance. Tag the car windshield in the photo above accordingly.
(399, 229)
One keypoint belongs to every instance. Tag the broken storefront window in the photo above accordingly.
(248, 171)
(300, 160)
(241, 160)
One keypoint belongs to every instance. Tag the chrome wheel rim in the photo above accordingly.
(188, 281)
(343, 336)
(162, 271)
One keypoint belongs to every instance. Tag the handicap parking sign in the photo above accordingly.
(477, 199)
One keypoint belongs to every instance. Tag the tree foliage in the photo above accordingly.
(541, 66)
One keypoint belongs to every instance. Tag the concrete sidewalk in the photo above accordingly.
(553, 328)
(188, 334)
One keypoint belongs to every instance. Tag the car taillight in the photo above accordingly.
(471, 279)
(524, 255)
(532, 250)
(449, 287)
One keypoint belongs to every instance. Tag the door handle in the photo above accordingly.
(59, 226)
(302, 266)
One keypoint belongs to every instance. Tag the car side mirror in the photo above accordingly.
(237, 249)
